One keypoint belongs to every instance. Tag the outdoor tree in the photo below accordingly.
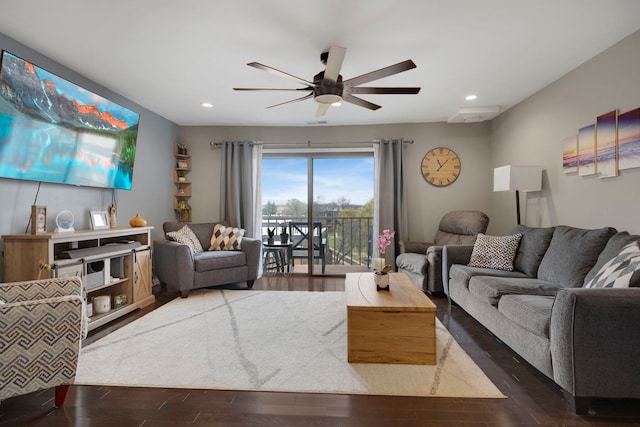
(270, 209)
(295, 207)
(343, 202)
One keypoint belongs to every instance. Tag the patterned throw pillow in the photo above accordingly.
(619, 270)
(495, 252)
(186, 237)
(226, 238)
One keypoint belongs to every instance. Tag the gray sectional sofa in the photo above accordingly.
(177, 266)
(585, 339)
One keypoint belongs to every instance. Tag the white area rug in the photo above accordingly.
(270, 341)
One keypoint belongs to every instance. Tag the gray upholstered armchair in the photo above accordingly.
(422, 261)
(42, 323)
(184, 269)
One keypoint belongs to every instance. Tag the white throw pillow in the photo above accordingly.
(495, 252)
(226, 238)
(619, 270)
(186, 237)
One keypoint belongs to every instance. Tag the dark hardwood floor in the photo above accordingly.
(533, 400)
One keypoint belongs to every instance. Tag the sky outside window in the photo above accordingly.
(350, 178)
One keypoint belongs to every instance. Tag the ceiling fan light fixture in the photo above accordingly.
(328, 98)
(336, 104)
(329, 89)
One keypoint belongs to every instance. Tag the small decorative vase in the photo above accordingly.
(182, 179)
(138, 221)
(270, 241)
(113, 223)
(284, 238)
(382, 281)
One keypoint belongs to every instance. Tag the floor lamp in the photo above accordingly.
(517, 178)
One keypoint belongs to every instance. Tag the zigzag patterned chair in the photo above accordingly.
(42, 323)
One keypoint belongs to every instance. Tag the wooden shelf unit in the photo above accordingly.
(183, 188)
(23, 252)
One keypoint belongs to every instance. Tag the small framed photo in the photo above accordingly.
(38, 219)
(99, 220)
(119, 300)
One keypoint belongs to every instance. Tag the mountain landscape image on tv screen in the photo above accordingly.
(52, 130)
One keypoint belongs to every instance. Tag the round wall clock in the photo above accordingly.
(441, 167)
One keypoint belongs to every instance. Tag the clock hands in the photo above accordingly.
(442, 164)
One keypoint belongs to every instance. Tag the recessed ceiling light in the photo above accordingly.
(207, 105)
(470, 97)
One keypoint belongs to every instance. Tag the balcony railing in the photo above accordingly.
(348, 241)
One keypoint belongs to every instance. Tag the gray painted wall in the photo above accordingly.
(427, 203)
(532, 133)
(152, 177)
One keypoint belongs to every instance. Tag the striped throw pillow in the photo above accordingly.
(619, 270)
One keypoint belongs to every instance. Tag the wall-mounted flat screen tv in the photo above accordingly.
(53, 130)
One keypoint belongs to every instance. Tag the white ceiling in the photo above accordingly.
(169, 55)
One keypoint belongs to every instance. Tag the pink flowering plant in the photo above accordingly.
(383, 241)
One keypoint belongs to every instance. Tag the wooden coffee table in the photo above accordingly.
(395, 326)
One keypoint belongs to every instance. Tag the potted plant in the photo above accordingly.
(381, 277)
(183, 149)
(381, 270)
(183, 211)
(182, 176)
(284, 236)
(270, 233)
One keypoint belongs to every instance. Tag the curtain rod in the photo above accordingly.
(214, 144)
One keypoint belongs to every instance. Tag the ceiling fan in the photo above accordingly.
(328, 87)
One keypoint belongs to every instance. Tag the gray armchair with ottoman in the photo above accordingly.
(422, 261)
(565, 299)
(204, 255)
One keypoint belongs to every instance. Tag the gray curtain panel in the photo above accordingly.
(390, 210)
(240, 178)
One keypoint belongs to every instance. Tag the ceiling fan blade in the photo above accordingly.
(384, 90)
(268, 88)
(292, 101)
(361, 102)
(279, 73)
(383, 72)
(322, 109)
(334, 64)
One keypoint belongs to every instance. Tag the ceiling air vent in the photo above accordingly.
(474, 114)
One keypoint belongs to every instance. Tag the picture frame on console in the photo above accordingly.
(99, 220)
(38, 219)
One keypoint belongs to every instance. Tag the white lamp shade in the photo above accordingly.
(521, 178)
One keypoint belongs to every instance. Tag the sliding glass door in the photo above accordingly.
(324, 202)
